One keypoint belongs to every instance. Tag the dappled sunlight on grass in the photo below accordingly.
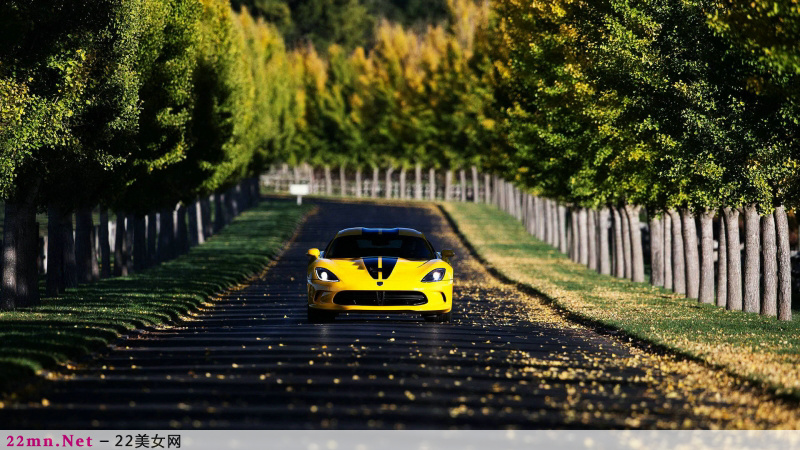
(88, 318)
(749, 345)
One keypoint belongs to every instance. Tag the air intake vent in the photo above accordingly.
(380, 298)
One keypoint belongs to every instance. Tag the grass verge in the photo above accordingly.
(90, 317)
(757, 348)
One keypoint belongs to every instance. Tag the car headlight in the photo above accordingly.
(434, 275)
(325, 274)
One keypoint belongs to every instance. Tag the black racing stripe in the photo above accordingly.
(387, 266)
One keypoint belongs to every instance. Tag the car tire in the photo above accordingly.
(439, 318)
(317, 316)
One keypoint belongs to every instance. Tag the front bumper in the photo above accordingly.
(439, 295)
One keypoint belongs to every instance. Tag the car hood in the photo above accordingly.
(380, 267)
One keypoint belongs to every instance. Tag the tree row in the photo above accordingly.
(134, 106)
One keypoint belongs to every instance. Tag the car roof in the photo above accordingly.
(364, 231)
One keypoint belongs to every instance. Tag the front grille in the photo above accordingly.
(380, 298)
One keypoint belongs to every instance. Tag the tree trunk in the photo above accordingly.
(626, 243)
(359, 183)
(388, 184)
(511, 199)
(692, 259)
(734, 301)
(722, 264)
(504, 201)
(784, 265)
(241, 195)
(20, 286)
(562, 228)
(70, 266)
(706, 293)
(583, 236)
(432, 184)
(94, 254)
(448, 185)
(513, 195)
(769, 254)
(195, 220)
(208, 224)
(555, 236)
(678, 257)
(375, 182)
(328, 181)
(462, 177)
(152, 238)
(418, 181)
(182, 232)
(403, 195)
(476, 192)
(165, 233)
(574, 253)
(603, 248)
(487, 188)
(139, 243)
(219, 219)
(236, 201)
(666, 225)
(28, 286)
(105, 246)
(619, 247)
(752, 256)
(312, 182)
(342, 181)
(55, 252)
(656, 251)
(231, 211)
(529, 213)
(541, 223)
(129, 242)
(637, 253)
(591, 230)
(548, 232)
(498, 192)
(83, 244)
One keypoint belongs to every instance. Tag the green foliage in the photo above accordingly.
(67, 93)
(413, 98)
(345, 23)
(166, 61)
(642, 102)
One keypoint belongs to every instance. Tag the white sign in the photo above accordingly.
(298, 189)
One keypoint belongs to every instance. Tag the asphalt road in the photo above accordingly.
(507, 360)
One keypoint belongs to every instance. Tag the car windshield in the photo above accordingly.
(407, 247)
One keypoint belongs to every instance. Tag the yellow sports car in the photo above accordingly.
(385, 270)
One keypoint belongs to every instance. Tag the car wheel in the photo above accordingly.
(317, 316)
(439, 318)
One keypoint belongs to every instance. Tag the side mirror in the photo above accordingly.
(447, 254)
(313, 253)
